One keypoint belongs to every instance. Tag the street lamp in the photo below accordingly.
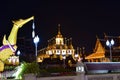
(36, 40)
(18, 52)
(110, 44)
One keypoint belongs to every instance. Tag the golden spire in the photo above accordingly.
(98, 46)
(66, 43)
(70, 43)
(59, 33)
(97, 36)
(105, 36)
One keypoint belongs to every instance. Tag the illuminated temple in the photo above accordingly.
(58, 47)
(98, 54)
(101, 52)
(62, 48)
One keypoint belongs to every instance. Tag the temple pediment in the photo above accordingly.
(99, 51)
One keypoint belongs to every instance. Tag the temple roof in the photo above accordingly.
(99, 51)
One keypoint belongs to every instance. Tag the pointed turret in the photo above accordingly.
(98, 47)
(59, 35)
(70, 45)
(99, 51)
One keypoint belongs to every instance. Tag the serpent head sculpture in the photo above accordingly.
(9, 46)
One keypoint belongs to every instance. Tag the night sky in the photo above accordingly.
(81, 20)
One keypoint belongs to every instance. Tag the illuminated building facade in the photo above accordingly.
(98, 54)
(58, 47)
(13, 60)
(101, 51)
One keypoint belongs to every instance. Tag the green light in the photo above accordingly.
(18, 74)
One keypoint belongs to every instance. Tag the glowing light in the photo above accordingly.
(110, 44)
(36, 39)
(33, 34)
(76, 55)
(33, 25)
(18, 53)
(17, 74)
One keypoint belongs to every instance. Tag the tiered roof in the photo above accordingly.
(99, 51)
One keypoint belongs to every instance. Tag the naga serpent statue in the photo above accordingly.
(9, 46)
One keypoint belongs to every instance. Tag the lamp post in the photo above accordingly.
(110, 44)
(36, 40)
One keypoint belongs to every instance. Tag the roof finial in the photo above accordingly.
(97, 36)
(59, 29)
(105, 35)
(58, 25)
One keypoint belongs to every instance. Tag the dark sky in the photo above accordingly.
(81, 20)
